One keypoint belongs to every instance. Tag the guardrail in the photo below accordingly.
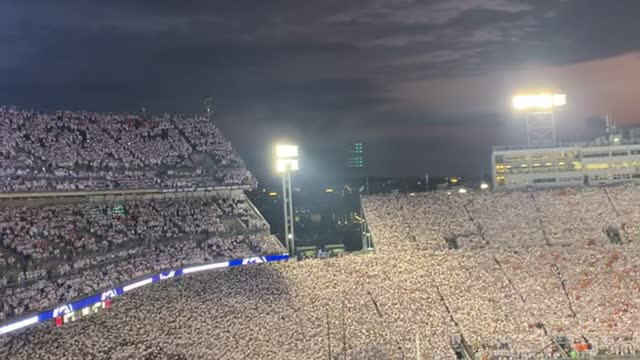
(64, 309)
(256, 211)
(366, 228)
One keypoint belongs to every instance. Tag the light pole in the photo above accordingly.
(286, 163)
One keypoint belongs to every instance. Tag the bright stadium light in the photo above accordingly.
(286, 158)
(484, 186)
(540, 115)
(284, 165)
(538, 101)
(286, 151)
(462, 191)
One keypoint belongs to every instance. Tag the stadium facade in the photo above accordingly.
(565, 165)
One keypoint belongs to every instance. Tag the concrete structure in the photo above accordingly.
(575, 164)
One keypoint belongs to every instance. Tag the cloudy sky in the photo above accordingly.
(425, 84)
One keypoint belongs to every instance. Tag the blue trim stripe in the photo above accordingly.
(41, 317)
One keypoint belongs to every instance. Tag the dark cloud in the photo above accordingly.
(324, 71)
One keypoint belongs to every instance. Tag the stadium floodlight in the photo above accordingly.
(540, 115)
(535, 102)
(462, 191)
(484, 186)
(286, 151)
(286, 158)
(285, 165)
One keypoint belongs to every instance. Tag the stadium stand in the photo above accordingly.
(500, 275)
(493, 274)
(61, 151)
(502, 302)
(60, 241)
(517, 219)
(62, 252)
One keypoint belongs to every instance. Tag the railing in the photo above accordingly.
(67, 308)
(566, 145)
(365, 228)
(256, 211)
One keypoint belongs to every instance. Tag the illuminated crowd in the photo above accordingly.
(517, 219)
(53, 253)
(61, 151)
(560, 277)
(498, 273)
(377, 306)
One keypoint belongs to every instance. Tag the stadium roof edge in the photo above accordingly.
(627, 142)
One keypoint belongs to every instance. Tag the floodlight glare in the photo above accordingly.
(286, 151)
(285, 165)
(286, 158)
(484, 186)
(539, 101)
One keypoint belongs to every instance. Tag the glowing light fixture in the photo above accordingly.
(286, 151)
(286, 158)
(542, 101)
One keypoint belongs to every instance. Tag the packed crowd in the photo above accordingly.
(80, 150)
(503, 274)
(500, 301)
(519, 219)
(51, 253)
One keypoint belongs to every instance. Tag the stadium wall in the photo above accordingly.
(366, 229)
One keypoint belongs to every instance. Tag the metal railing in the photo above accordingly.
(566, 145)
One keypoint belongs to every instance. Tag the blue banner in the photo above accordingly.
(118, 291)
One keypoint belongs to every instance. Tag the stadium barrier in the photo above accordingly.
(366, 228)
(77, 193)
(90, 301)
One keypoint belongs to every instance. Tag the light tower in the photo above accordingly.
(286, 163)
(539, 110)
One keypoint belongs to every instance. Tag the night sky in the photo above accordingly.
(425, 84)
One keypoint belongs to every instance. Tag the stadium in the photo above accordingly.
(128, 236)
